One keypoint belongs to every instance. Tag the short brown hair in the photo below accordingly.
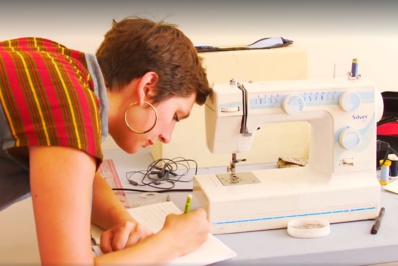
(135, 46)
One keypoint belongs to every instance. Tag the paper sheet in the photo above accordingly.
(154, 215)
(392, 187)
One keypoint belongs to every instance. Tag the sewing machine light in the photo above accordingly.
(230, 109)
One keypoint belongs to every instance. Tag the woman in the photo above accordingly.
(56, 106)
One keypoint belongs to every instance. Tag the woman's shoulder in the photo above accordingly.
(33, 43)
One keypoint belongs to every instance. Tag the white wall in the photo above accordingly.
(333, 32)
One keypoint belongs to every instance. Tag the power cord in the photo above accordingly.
(162, 174)
(381, 146)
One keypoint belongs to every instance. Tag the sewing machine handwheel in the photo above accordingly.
(349, 138)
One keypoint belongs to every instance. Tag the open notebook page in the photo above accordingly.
(154, 215)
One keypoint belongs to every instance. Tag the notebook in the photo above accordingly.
(154, 215)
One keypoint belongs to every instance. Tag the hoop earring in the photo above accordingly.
(138, 131)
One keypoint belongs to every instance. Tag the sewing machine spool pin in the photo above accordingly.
(353, 74)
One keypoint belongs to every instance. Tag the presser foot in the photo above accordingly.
(234, 178)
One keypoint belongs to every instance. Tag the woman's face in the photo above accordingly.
(141, 118)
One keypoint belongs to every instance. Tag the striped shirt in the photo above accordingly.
(48, 96)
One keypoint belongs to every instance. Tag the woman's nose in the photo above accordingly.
(165, 137)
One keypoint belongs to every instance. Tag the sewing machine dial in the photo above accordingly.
(293, 104)
(349, 138)
(349, 101)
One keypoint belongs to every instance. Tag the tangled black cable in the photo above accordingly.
(162, 173)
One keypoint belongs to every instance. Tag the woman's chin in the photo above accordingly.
(130, 150)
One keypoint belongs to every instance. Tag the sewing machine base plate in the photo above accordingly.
(244, 178)
(282, 195)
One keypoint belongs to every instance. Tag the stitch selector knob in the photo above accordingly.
(349, 138)
(293, 104)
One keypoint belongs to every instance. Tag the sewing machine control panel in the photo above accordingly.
(294, 103)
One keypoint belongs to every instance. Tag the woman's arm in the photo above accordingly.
(61, 185)
(108, 210)
(121, 230)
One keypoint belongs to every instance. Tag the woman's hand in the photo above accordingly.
(180, 235)
(123, 235)
(187, 231)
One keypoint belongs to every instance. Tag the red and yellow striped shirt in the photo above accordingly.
(47, 95)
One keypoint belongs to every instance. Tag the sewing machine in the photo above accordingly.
(338, 183)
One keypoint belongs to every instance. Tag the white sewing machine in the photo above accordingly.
(339, 183)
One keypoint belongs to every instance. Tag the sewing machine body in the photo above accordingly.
(339, 182)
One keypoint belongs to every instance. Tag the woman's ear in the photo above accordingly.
(147, 86)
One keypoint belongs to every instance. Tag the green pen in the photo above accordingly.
(188, 204)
